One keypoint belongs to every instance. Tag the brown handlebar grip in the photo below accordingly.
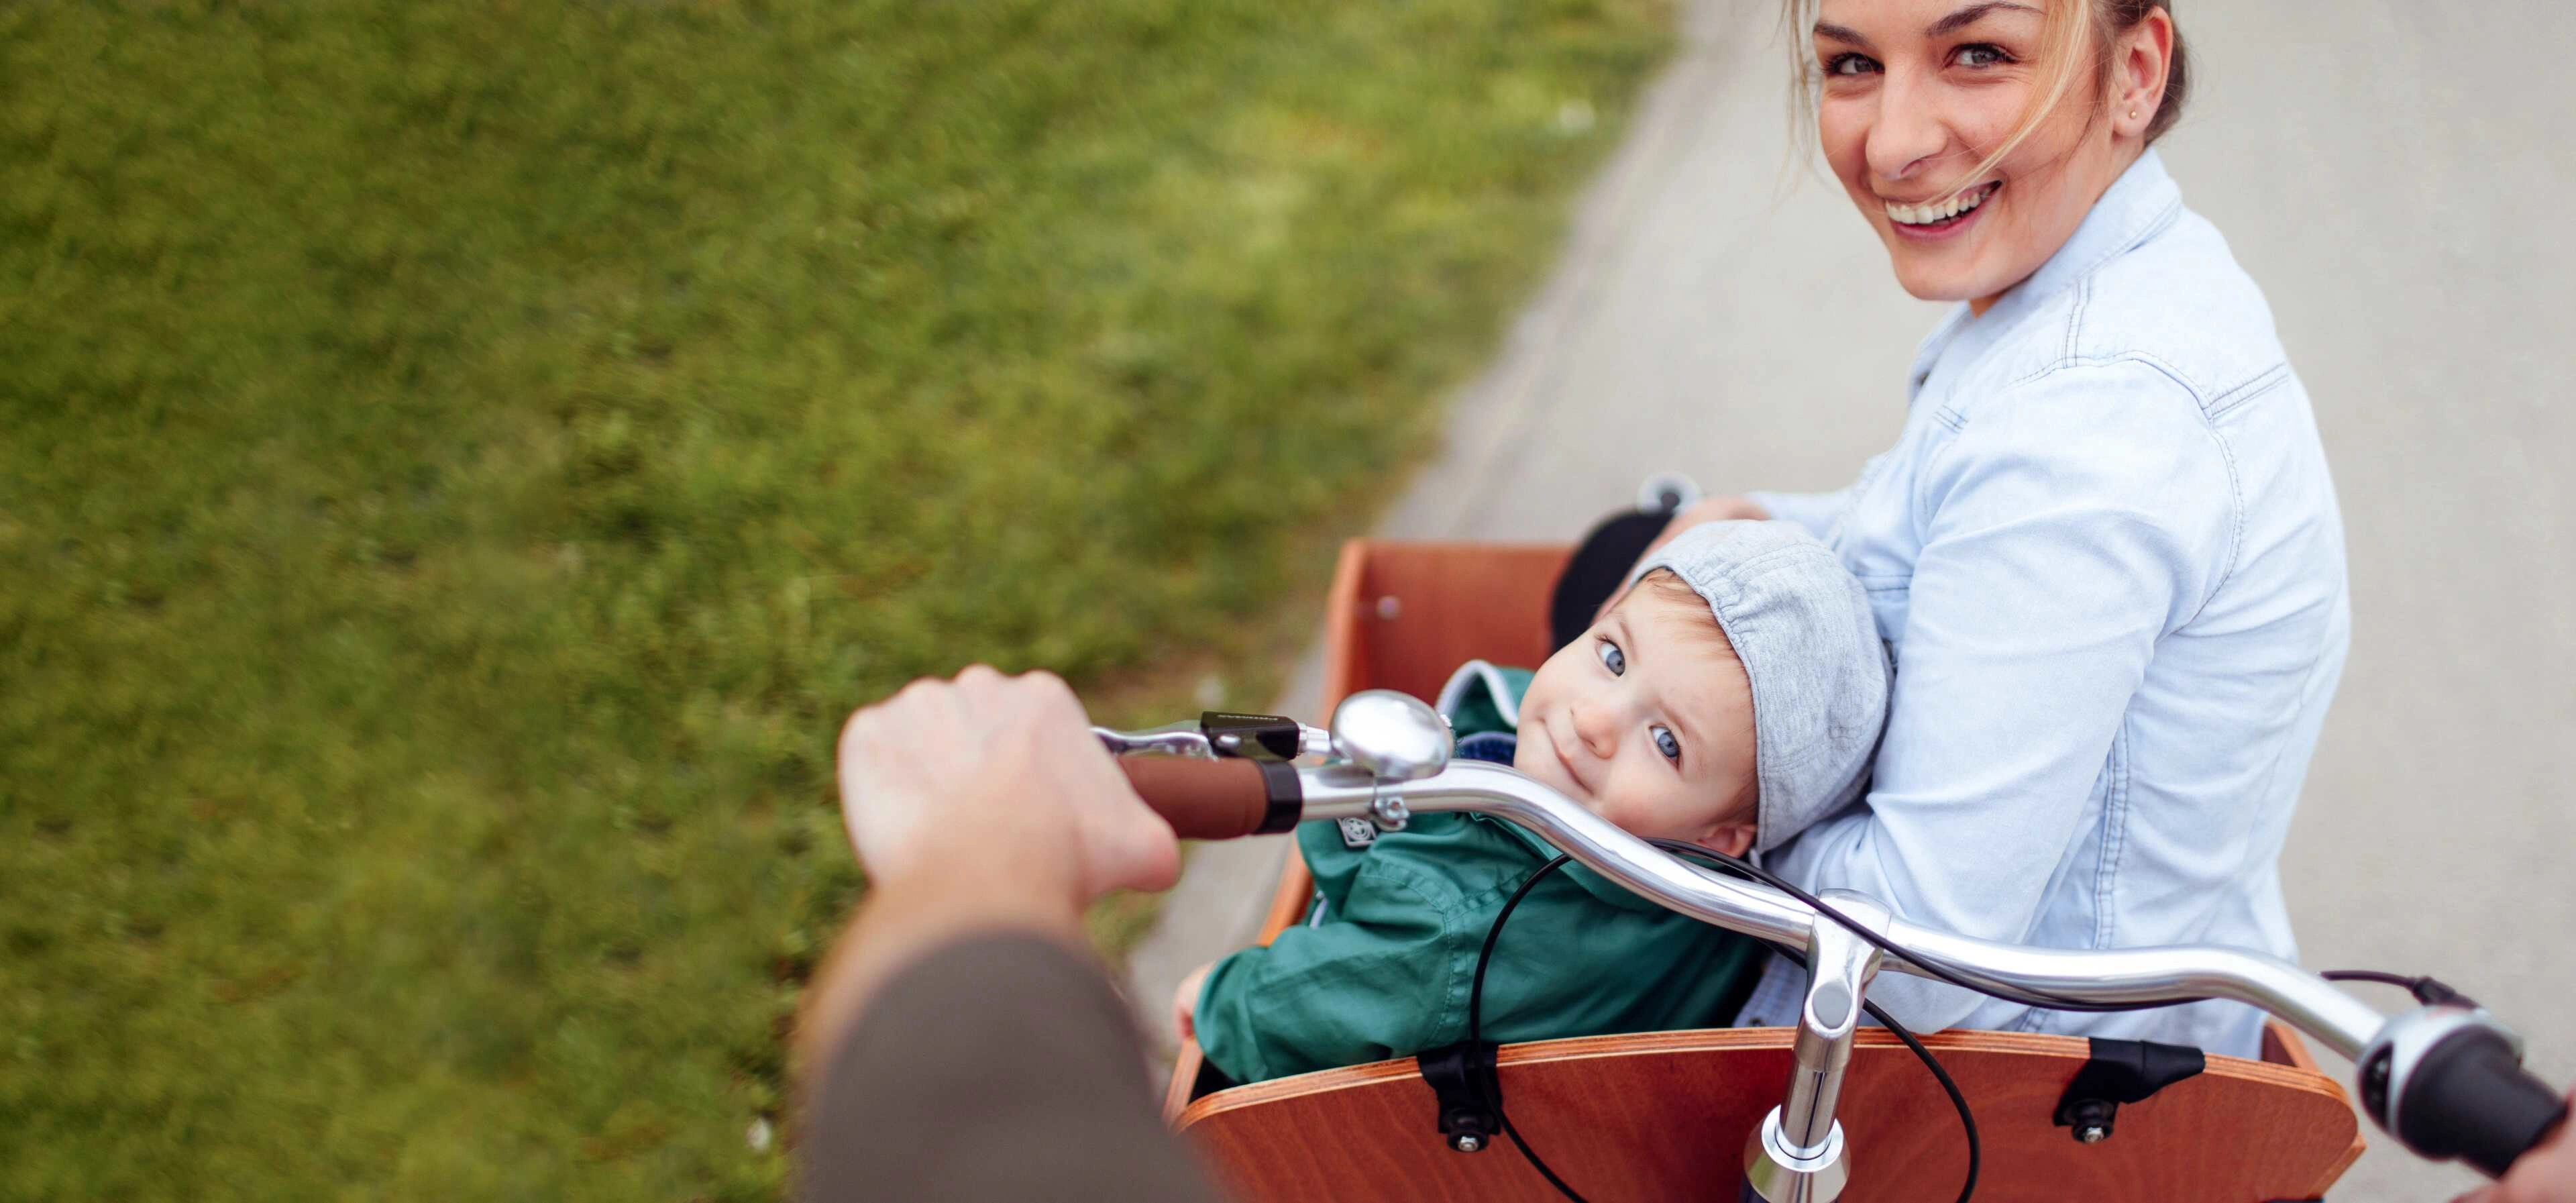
(1217, 799)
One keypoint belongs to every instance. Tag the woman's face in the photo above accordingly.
(1918, 92)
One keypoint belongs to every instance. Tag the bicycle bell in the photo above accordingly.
(1395, 737)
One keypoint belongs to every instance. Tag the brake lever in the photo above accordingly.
(1171, 739)
(1219, 734)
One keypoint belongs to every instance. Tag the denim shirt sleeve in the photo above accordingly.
(1814, 511)
(2071, 521)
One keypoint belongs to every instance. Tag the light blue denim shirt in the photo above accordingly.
(2106, 554)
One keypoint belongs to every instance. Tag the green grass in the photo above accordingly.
(461, 462)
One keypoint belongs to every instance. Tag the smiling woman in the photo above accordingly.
(2105, 548)
(1926, 112)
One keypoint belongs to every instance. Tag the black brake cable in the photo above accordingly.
(1475, 1032)
(1476, 1023)
(2430, 991)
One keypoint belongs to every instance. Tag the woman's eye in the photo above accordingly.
(1612, 658)
(1665, 743)
(1982, 55)
(1850, 64)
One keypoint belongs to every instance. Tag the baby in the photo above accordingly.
(1732, 697)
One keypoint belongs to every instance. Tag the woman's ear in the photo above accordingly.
(1733, 839)
(2142, 63)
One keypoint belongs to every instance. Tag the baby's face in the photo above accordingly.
(1647, 720)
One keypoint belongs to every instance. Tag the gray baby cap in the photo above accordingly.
(1801, 624)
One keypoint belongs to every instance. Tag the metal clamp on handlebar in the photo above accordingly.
(2448, 1082)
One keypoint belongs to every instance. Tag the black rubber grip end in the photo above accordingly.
(1287, 797)
(2470, 1098)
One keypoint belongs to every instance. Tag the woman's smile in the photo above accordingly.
(1937, 220)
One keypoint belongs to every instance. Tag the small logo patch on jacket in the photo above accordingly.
(1358, 833)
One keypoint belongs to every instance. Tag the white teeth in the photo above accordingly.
(1921, 215)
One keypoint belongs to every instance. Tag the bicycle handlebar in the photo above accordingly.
(1217, 799)
(2445, 1081)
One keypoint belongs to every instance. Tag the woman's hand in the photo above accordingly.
(1185, 1001)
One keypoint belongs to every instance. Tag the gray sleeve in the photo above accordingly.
(1000, 1067)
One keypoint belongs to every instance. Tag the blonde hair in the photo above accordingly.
(2073, 35)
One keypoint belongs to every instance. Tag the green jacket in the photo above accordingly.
(1383, 965)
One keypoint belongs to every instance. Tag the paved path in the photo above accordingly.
(2391, 173)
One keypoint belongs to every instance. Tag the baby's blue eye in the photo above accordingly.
(1612, 658)
(1666, 744)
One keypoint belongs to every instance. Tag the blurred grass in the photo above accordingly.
(463, 460)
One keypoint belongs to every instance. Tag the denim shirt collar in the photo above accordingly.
(2136, 207)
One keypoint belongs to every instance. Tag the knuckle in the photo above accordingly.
(1048, 686)
(1040, 693)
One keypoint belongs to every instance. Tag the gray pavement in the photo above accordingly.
(2390, 174)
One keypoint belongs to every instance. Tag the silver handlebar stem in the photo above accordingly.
(1798, 1154)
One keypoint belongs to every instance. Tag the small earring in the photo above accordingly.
(2133, 114)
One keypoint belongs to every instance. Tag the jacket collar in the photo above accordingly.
(2136, 207)
(2139, 205)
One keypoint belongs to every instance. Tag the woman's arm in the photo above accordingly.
(2072, 523)
(1815, 511)
(994, 1066)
